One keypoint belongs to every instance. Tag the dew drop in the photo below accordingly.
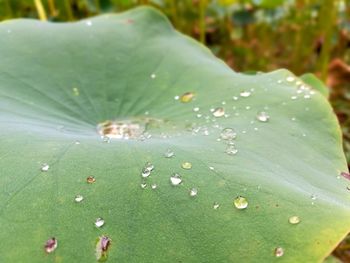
(176, 97)
(50, 245)
(245, 94)
(193, 192)
(45, 167)
(149, 166)
(154, 186)
(240, 202)
(279, 252)
(294, 220)
(219, 112)
(88, 23)
(102, 245)
(187, 97)
(145, 173)
(216, 205)
(290, 79)
(78, 198)
(75, 91)
(175, 179)
(228, 134)
(153, 76)
(99, 222)
(294, 97)
(235, 98)
(186, 165)
(169, 154)
(195, 109)
(263, 116)
(231, 150)
(143, 185)
(90, 179)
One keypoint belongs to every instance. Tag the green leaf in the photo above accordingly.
(317, 84)
(58, 81)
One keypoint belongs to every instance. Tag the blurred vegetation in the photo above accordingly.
(250, 35)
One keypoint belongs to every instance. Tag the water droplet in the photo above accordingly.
(290, 79)
(240, 202)
(143, 185)
(245, 94)
(228, 134)
(196, 109)
(154, 186)
(216, 205)
(169, 154)
(219, 112)
(90, 179)
(102, 245)
(76, 92)
(235, 98)
(50, 245)
(45, 167)
(106, 139)
(279, 252)
(294, 220)
(149, 166)
(294, 97)
(153, 76)
(99, 222)
(176, 97)
(145, 173)
(120, 130)
(88, 23)
(175, 179)
(211, 168)
(186, 165)
(193, 192)
(78, 198)
(263, 116)
(77, 142)
(247, 107)
(187, 97)
(313, 197)
(231, 150)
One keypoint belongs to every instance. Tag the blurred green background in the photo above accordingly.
(249, 35)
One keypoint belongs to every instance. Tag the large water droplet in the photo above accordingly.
(45, 167)
(78, 198)
(219, 112)
(193, 192)
(263, 116)
(279, 252)
(240, 202)
(50, 245)
(99, 222)
(186, 97)
(120, 129)
(294, 220)
(102, 245)
(245, 94)
(175, 179)
(228, 134)
(186, 165)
